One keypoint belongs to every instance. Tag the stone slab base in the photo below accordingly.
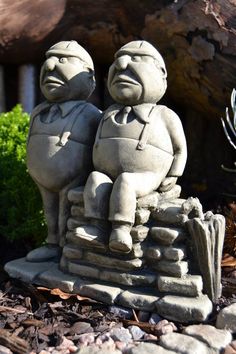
(49, 275)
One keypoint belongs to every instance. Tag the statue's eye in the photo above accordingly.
(136, 58)
(63, 60)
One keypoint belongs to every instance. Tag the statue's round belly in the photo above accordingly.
(113, 156)
(54, 166)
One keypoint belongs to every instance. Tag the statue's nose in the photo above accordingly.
(50, 64)
(122, 62)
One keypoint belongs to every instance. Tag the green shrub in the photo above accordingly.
(21, 215)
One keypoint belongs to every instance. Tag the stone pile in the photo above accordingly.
(160, 273)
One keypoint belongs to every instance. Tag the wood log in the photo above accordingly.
(196, 37)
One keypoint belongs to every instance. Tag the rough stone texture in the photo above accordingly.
(189, 285)
(214, 338)
(193, 208)
(149, 201)
(149, 348)
(208, 238)
(72, 252)
(72, 223)
(176, 269)
(142, 216)
(153, 253)
(111, 262)
(139, 233)
(103, 293)
(174, 193)
(77, 211)
(137, 300)
(58, 279)
(75, 195)
(227, 318)
(174, 253)
(131, 278)
(27, 271)
(183, 344)
(167, 235)
(170, 212)
(184, 309)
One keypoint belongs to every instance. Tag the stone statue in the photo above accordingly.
(140, 147)
(61, 136)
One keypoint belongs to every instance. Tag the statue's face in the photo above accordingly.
(64, 78)
(135, 78)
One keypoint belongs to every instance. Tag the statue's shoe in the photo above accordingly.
(45, 253)
(91, 235)
(120, 240)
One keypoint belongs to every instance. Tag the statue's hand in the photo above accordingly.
(167, 184)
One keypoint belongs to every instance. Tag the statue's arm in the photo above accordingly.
(177, 136)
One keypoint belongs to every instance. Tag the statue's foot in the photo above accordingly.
(120, 240)
(45, 253)
(92, 235)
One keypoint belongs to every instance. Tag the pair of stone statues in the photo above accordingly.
(133, 148)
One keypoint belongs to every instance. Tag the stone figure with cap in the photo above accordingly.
(140, 147)
(61, 136)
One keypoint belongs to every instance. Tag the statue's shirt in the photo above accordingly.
(61, 149)
(117, 145)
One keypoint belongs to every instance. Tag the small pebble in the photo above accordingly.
(143, 316)
(121, 335)
(155, 318)
(149, 337)
(121, 312)
(120, 345)
(86, 338)
(136, 332)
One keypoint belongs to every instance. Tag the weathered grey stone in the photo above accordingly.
(136, 332)
(121, 334)
(149, 201)
(74, 222)
(184, 309)
(189, 285)
(138, 300)
(131, 278)
(55, 278)
(134, 278)
(170, 212)
(103, 293)
(173, 193)
(63, 264)
(75, 195)
(174, 253)
(138, 250)
(149, 348)
(167, 235)
(153, 253)
(139, 233)
(71, 251)
(121, 311)
(83, 270)
(213, 337)
(111, 262)
(193, 208)
(77, 210)
(73, 238)
(208, 239)
(226, 319)
(142, 216)
(104, 348)
(183, 344)
(27, 271)
(176, 269)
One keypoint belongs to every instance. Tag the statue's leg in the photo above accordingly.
(96, 203)
(126, 189)
(51, 208)
(97, 195)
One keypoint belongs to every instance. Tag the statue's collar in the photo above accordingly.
(142, 111)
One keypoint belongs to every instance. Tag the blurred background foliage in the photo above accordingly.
(21, 214)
